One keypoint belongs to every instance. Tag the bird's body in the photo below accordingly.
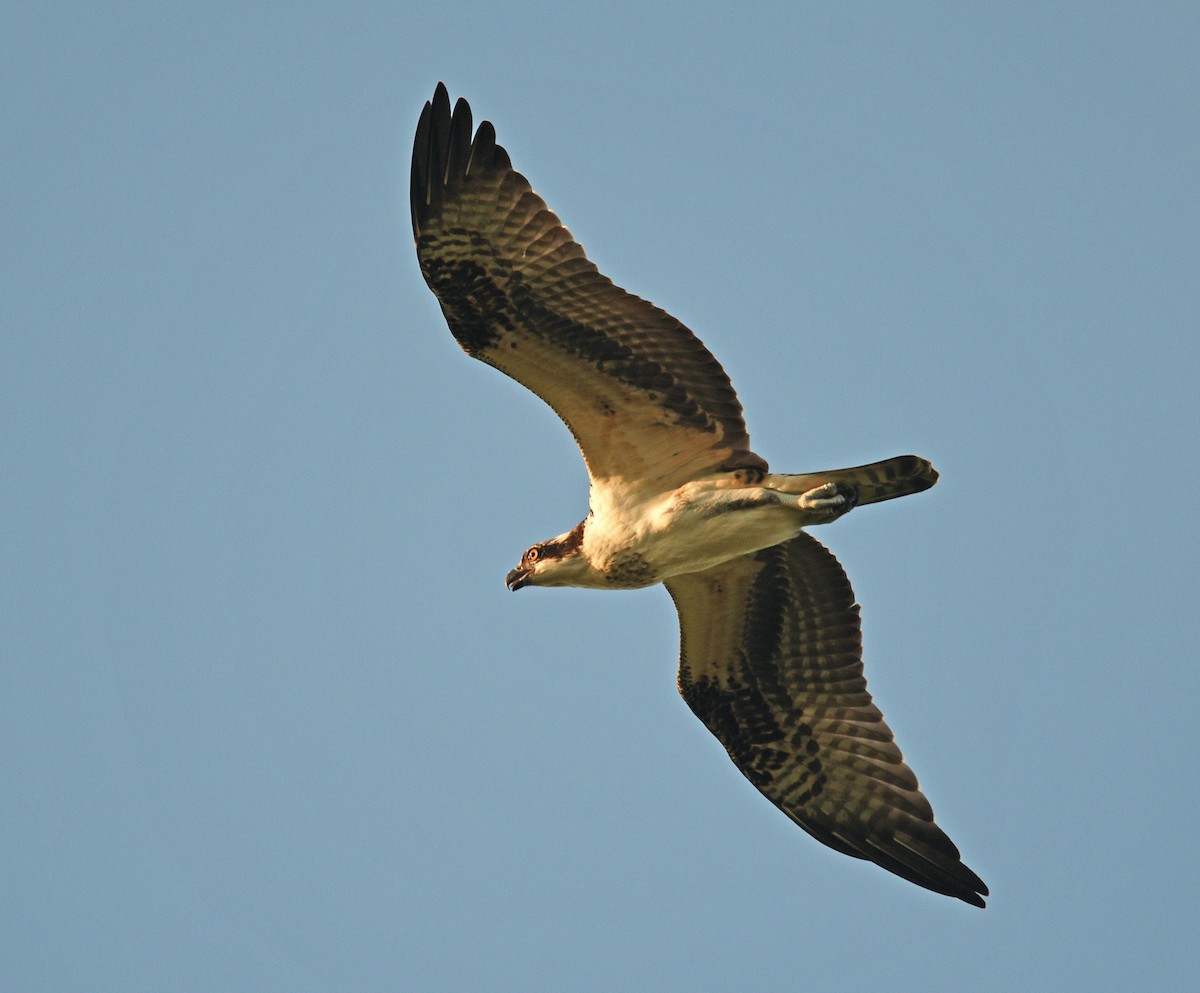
(693, 527)
(630, 543)
(636, 537)
(771, 654)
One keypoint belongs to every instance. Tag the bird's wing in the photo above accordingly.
(645, 400)
(771, 662)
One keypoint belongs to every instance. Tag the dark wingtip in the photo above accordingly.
(431, 147)
(459, 148)
(968, 887)
(418, 184)
(981, 886)
(975, 899)
(445, 153)
(483, 151)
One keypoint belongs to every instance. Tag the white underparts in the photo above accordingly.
(638, 542)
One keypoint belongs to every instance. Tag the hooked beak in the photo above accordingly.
(517, 578)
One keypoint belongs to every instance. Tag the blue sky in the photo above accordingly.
(269, 718)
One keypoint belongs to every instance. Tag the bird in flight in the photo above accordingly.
(771, 643)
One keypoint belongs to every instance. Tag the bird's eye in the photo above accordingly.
(533, 554)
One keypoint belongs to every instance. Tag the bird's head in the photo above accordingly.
(557, 562)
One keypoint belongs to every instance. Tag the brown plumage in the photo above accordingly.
(771, 647)
(520, 295)
(771, 662)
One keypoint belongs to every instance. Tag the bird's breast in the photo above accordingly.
(699, 525)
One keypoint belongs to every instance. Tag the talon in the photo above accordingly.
(821, 497)
(833, 499)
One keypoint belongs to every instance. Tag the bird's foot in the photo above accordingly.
(826, 503)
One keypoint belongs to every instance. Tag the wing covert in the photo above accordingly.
(643, 397)
(771, 662)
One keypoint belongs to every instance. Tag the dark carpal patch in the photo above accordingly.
(753, 713)
(741, 721)
(766, 607)
(476, 309)
(608, 354)
(481, 304)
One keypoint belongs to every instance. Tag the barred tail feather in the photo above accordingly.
(886, 480)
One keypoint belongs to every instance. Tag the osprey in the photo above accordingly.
(771, 645)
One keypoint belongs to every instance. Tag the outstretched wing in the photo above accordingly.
(645, 400)
(771, 662)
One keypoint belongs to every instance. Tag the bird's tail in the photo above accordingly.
(886, 480)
